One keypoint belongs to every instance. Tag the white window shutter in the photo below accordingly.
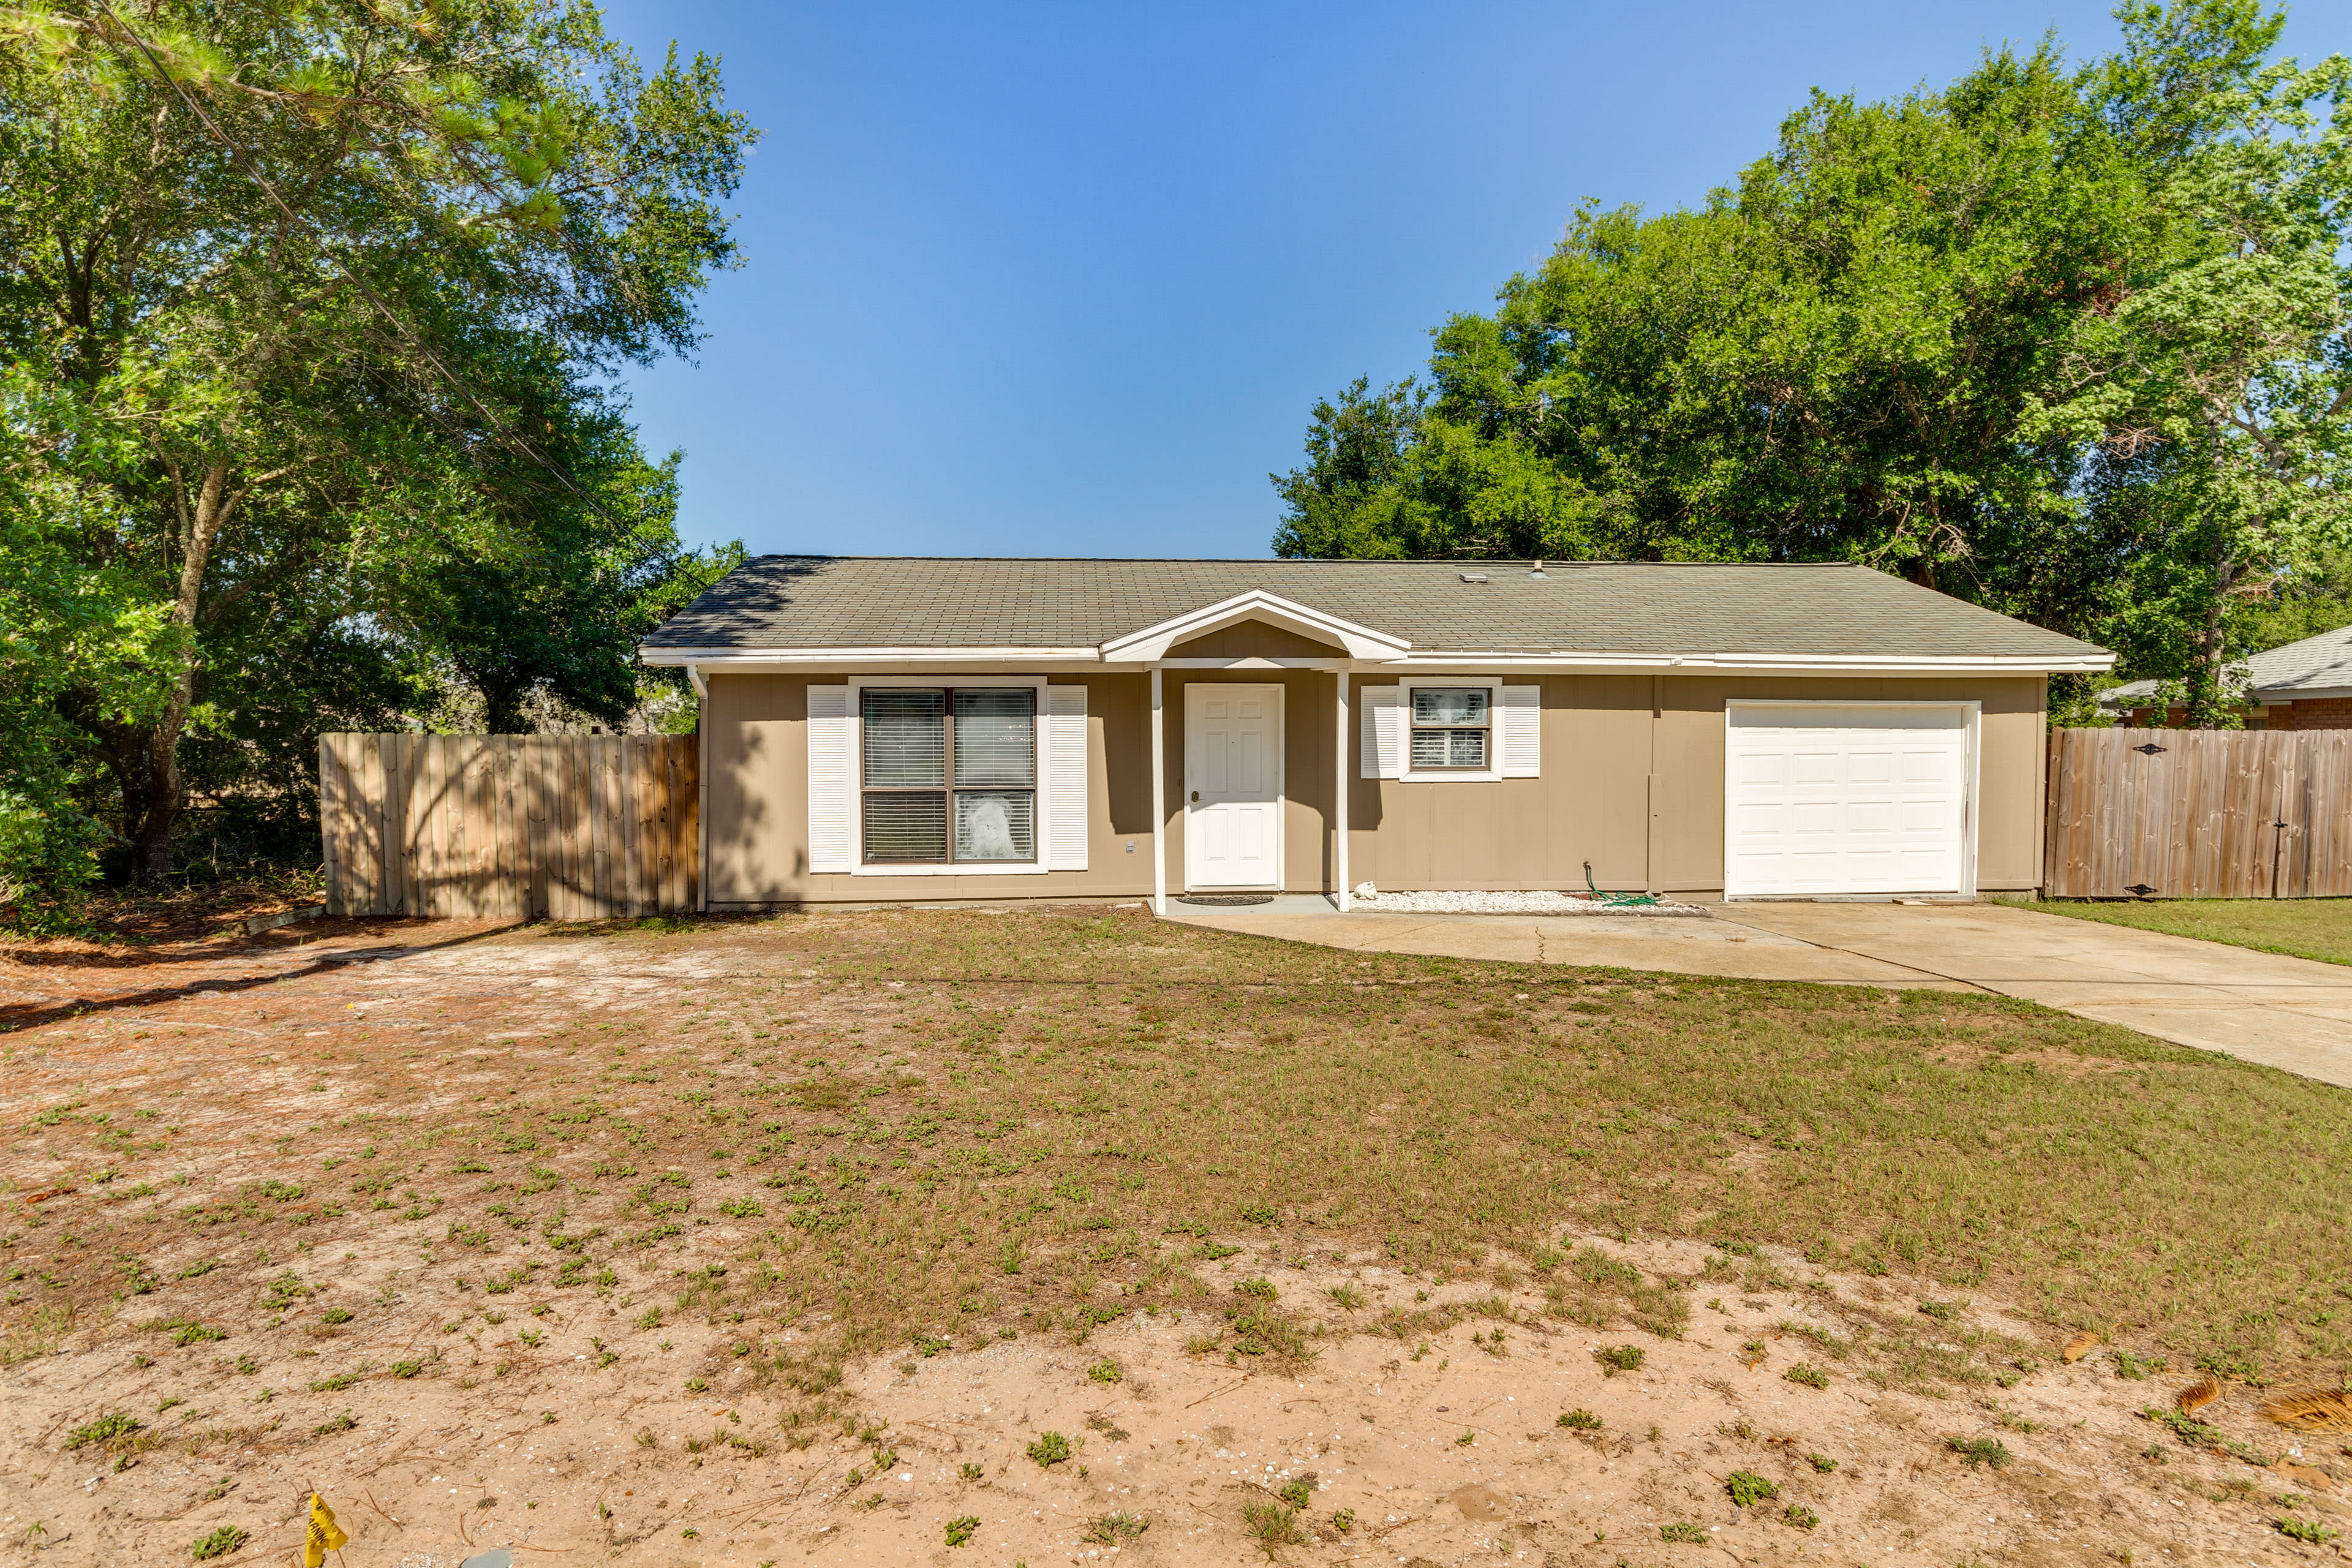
(1066, 778)
(832, 780)
(1522, 735)
(1384, 756)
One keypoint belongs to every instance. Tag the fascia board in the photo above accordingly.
(1759, 663)
(724, 660)
(1128, 654)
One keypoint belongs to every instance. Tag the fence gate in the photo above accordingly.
(2200, 813)
(568, 827)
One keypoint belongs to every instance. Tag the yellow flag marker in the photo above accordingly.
(323, 1535)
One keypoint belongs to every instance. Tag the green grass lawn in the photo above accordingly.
(919, 1127)
(2301, 928)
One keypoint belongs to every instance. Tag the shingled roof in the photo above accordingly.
(831, 601)
(2317, 666)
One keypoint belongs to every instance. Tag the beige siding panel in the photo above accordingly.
(756, 730)
(1256, 639)
(757, 744)
(1306, 738)
(1590, 803)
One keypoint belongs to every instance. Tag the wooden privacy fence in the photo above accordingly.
(2200, 813)
(568, 827)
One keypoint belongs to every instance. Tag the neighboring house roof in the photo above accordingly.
(778, 605)
(2315, 667)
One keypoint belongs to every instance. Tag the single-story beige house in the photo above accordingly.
(894, 729)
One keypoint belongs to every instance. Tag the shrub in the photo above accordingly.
(219, 1543)
(105, 1431)
(1811, 1377)
(960, 1529)
(1619, 1357)
(1050, 1449)
(1684, 1532)
(1749, 1488)
(1981, 1451)
(1580, 1421)
(1798, 1514)
(48, 857)
(2187, 1428)
(1273, 1524)
(1111, 1529)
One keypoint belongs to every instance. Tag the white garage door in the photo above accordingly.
(1846, 799)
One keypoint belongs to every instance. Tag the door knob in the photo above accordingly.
(1196, 794)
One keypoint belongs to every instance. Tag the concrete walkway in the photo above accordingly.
(2289, 1013)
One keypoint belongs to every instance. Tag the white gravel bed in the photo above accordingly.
(1538, 903)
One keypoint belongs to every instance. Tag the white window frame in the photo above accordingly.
(1493, 770)
(1971, 710)
(858, 685)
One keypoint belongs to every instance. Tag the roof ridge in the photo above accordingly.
(1307, 561)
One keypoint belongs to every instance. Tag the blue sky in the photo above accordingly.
(1065, 280)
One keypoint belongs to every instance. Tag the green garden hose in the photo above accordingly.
(1617, 901)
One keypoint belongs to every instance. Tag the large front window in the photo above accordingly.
(1450, 727)
(949, 774)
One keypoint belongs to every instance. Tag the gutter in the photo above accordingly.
(699, 663)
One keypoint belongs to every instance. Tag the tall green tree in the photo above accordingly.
(1826, 361)
(2229, 362)
(279, 264)
(81, 644)
(2069, 342)
(550, 603)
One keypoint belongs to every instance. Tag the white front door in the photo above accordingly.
(1847, 798)
(1232, 785)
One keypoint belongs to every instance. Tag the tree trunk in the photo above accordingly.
(201, 523)
(503, 711)
(2209, 707)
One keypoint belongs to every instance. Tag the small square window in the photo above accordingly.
(1451, 728)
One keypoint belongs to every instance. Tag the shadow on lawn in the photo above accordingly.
(29, 1016)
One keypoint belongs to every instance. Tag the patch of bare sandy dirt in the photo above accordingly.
(1442, 1449)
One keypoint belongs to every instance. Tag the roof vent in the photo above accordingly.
(1537, 571)
(1473, 576)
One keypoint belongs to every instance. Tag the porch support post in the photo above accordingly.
(1339, 782)
(1158, 802)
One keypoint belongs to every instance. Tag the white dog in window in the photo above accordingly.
(988, 831)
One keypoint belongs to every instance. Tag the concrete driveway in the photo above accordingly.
(2289, 1013)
